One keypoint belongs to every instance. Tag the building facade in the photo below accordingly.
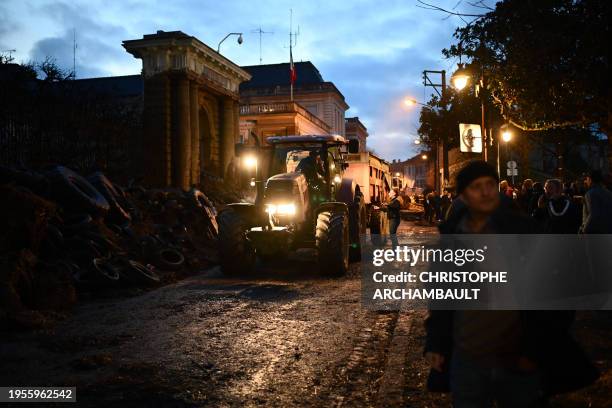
(266, 107)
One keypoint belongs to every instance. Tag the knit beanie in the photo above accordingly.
(471, 172)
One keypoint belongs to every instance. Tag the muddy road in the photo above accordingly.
(286, 337)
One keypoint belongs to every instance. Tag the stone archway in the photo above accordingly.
(182, 77)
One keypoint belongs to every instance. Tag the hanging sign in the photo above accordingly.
(470, 137)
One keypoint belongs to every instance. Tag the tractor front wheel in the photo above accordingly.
(236, 254)
(332, 239)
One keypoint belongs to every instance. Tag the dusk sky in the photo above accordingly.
(374, 51)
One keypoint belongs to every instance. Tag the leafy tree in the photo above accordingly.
(546, 62)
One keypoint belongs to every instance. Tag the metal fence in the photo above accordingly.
(51, 123)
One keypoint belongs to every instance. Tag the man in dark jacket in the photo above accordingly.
(393, 209)
(596, 213)
(513, 358)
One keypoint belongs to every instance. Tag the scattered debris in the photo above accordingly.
(64, 234)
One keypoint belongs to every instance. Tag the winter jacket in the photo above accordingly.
(596, 211)
(544, 336)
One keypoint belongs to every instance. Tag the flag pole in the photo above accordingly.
(291, 50)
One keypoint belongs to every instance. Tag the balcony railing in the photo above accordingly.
(282, 107)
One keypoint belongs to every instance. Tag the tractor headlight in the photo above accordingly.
(281, 209)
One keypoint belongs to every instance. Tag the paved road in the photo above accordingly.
(284, 338)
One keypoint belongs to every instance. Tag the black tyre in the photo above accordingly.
(170, 259)
(75, 193)
(357, 227)
(332, 240)
(139, 274)
(236, 254)
(117, 213)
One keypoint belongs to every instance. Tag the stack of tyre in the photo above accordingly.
(102, 235)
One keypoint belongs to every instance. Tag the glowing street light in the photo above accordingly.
(424, 156)
(250, 162)
(417, 142)
(460, 78)
(506, 136)
(410, 102)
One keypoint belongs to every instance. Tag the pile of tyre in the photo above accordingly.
(61, 233)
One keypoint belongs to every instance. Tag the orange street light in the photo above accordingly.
(460, 78)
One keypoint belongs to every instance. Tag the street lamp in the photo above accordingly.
(460, 78)
(506, 136)
(424, 156)
(417, 141)
(226, 37)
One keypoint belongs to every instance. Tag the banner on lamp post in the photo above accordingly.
(470, 137)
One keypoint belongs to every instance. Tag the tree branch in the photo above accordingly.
(428, 6)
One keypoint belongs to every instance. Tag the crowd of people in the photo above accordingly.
(511, 358)
(580, 206)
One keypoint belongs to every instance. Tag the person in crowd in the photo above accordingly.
(597, 206)
(504, 357)
(437, 206)
(429, 206)
(445, 203)
(538, 191)
(525, 195)
(504, 187)
(555, 211)
(393, 209)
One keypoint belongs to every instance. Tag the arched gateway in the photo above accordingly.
(190, 108)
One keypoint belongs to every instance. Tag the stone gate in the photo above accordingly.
(190, 114)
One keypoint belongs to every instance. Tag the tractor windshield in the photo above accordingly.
(305, 158)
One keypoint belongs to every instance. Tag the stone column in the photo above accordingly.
(181, 143)
(156, 126)
(195, 132)
(227, 136)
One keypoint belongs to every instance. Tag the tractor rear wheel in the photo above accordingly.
(236, 254)
(332, 239)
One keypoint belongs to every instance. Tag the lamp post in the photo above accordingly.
(460, 79)
(226, 37)
(410, 102)
(506, 136)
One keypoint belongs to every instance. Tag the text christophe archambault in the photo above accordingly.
(434, 285)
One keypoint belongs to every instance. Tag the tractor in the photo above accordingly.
(305, 202)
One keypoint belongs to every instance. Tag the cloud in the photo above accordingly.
(374, 52)
(97, 43)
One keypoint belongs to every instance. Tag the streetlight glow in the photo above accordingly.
(410, 102)
(506, 136)
(250, 162)
(417, 141)
(424, 156)
(460, 81)
(460, 78)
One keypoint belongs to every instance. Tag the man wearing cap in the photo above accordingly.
(512, 358)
